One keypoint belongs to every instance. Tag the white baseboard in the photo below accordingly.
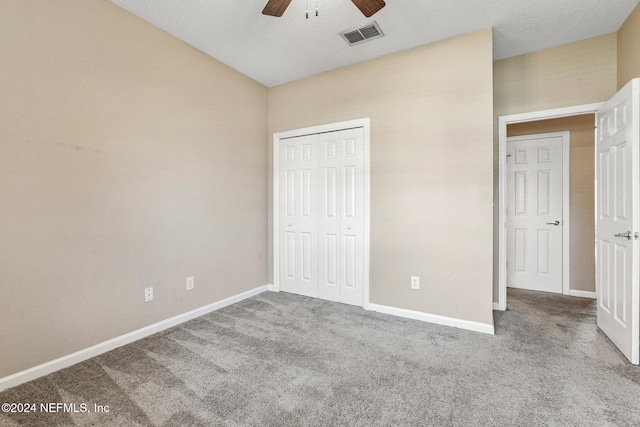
(95, 350)
(496, 306)
(582, 294)
(434, 318)
(273, 288)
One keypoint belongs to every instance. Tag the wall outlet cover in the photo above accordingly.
(148, 294)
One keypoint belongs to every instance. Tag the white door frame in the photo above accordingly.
(503, 121)
(566, 205)
(332, 127)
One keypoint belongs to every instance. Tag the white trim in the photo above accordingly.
(566, 212)
(566, 202)
(367, 210)
(503, 121)
(331, 127)
(496, 306)
(105, 346)
(272, 288)
(434, 318)
(582, 294)
(276, 211)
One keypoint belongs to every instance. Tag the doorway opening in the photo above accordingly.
(531, 123)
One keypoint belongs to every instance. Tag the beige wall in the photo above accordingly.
(127, 160)
(629, 48)
(564, 76)
(581, 191)
(431, 167)
(574, 74)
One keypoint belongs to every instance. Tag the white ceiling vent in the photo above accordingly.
(360, 35)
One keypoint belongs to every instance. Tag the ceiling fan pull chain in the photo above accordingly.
(316, 7)
(307, 9)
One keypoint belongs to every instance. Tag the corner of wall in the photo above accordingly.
(628, 49)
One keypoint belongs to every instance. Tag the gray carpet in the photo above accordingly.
(285, 360)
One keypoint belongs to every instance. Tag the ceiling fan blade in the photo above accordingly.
(369, 7)
(275, 7)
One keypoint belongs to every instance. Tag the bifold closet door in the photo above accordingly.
(321, 205)
(341, 216)
(298, 206)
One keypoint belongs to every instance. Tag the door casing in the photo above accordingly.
(332, 127)
(503, 121)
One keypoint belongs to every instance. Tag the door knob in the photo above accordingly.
(627, 235)
(556, 222)
(289, 225)
(348, 227)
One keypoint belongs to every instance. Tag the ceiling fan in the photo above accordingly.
(367, 7)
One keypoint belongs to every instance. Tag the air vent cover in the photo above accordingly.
(360, 35)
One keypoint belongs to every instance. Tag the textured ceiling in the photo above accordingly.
(278, 50)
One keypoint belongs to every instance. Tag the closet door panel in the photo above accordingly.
(329, 219)
(299, 216)
(351, 155)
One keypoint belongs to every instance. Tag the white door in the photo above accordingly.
(617, 185)
(321, 215)
(534, 212)
(298, 207)
(341, 216)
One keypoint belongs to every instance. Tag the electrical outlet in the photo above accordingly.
(190, 283)
(415, 282)
(148, 294)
